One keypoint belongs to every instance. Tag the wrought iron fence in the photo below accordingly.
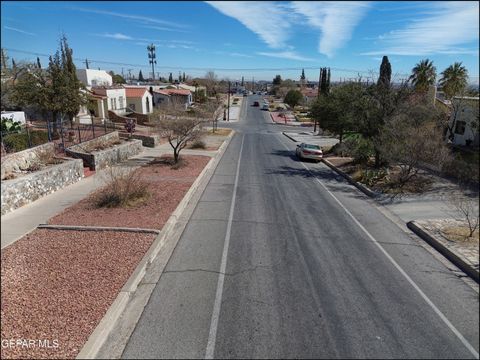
(63, 135)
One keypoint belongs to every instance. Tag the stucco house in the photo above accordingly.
(139, 99)
(166, 97)
(464, 119)
(92, 78)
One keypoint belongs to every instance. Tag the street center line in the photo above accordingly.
(408, 278)
(212, 336)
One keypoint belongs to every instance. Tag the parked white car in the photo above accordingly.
(309, 151)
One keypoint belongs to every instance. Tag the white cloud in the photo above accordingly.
(291, 55)
(19, 31)
(266, 19)
(446, 29)
(141, 18)
(335, 20)
(274, 22)
(117, 36)
(163, 28)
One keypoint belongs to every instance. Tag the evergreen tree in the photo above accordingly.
(323, 81)
(140, 76)
(276, 81)
(4, 61)
(38, 63)
(170, 78)
(302, 78)
(184, 76)
(73, 96)
(242, 82)
(385, 73)
(13, 64)
(328, 81)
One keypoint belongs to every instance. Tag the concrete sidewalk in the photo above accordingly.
(25, 219)
(310, 138)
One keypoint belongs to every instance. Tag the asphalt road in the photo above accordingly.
(284, 259)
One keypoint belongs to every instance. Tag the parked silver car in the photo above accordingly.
(309, 151)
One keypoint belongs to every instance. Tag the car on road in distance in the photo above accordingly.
(309, 151)
(256, 103)
(265, 107)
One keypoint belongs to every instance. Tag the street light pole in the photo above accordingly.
(228, 101)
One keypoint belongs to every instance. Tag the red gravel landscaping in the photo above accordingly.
(167, 188)
(57, 285)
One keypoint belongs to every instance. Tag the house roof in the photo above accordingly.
(102, 90)
(309, 92)
(135, 92)
(169, 92)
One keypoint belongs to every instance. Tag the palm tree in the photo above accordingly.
(423, 75)
(454, 79)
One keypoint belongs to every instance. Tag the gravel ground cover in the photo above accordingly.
(57, 285)
(167, 188)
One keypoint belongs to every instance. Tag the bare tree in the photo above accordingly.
(211, 83)
(468, 208)
(178, 126)
(211, 111)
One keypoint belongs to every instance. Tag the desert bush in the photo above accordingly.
(198, 144)
(46, 156)
(124, 188)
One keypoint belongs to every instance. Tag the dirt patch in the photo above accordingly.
(219, 132)
(166, 186)
(57, 285)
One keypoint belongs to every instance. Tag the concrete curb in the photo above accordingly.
(288, 136)
(450, 254)
(359, 186)
(97, 338)
(96, 228)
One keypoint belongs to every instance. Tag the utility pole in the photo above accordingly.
(151, 58)
(86, 63)
(228, 101)
(130, 74)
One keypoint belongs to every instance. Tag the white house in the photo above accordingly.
(92, 77)
(116, 97)
(465, 120)
(139, 99)
(166, 97)
(18, 116)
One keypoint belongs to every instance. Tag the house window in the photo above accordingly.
(460, 127)
(120, 102)
(148, 106)
(115, 104)
(111, 104)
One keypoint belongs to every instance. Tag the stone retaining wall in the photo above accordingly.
(28, 188)
(101, 159)
(23, 159)
(147, 140)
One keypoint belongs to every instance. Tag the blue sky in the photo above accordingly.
(233, 38)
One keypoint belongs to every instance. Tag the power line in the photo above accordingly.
(144, 66)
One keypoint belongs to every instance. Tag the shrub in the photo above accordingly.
(46, 156)
(198, 144)
(15, 142)
(125, 188)
(362, 151)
